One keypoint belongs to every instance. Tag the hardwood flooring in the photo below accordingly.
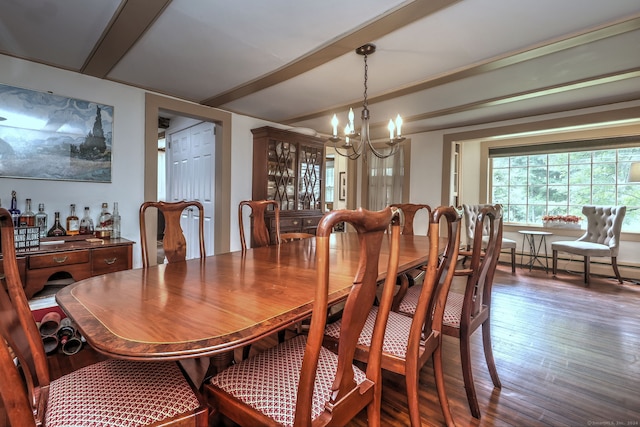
(567, 355)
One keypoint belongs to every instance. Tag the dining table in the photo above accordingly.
(213, 305)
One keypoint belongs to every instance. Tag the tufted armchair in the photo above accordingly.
(602, 238)
(470, 214)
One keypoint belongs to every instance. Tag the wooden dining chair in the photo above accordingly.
(470, 214)
(412, 276)
(300, 382)
(174, 243)
(289, 237)
(259, 230)
(410, 341)
(111, 392)
(466, 312)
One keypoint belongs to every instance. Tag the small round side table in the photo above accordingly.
(529, 238)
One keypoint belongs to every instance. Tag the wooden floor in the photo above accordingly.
(567, 355)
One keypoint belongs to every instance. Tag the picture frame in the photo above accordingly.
(53, 137)
(342, 186)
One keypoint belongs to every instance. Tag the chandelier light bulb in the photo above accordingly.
(391, 128)
(399, 125)
(334, 123)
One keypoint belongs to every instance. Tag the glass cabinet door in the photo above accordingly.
(281, 173)
(309, 185)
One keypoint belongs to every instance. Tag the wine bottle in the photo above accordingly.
(86, 223)
(13, 210)
(27, 218)
(115, 221)
(57, 229)
(73, 224)
(41, 220)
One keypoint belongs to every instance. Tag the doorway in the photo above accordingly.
(221, 220)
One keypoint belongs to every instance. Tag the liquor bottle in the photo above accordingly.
(57, 229)
(104, 225)
(86, 223)
(73, 224)
(27, 218)
(13, 210)
(41, 220)
(115, 220)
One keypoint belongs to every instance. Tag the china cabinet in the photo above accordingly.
(288, 167)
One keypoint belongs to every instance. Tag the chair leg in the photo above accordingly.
(411, 378)
(554, 263)
(614, 264)
(488, 352)
(587, 269)
(467, 375)
(438, 372)
(513, 260)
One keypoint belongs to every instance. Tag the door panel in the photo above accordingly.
(192, 178)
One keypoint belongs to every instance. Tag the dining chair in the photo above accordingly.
(602, 238)
(174, 243)
(466, 312)
(470, 214)
(410, 341)
(300, 382)
(112, 392)
(259, 230)
(412, 276)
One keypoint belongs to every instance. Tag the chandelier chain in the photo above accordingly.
(366, 78)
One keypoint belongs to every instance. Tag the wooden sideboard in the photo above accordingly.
(75, 258)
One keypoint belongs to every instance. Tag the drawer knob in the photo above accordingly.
(110, 261)
(295, 222)
(60, 260)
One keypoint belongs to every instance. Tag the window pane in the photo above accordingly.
(580, 174)
(558, 174)
(500, 176)
(604, 194)
(538, 175)
(604, 173)
(580, 157)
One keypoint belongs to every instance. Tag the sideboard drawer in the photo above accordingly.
(108, 260)
(58, 259)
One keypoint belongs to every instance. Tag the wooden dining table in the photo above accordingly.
(203, 307)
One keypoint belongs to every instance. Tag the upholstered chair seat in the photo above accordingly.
(269, 381)
(119, 393)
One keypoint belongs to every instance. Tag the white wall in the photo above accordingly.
(128, 151)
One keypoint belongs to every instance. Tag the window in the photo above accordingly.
(558, 179)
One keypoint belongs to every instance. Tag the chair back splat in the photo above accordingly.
(323, 388)
(163, 396)
(174, 243)
(259, 231)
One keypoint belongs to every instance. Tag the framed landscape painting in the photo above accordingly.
(47, 136)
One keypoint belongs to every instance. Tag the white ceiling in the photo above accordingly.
(439, 63)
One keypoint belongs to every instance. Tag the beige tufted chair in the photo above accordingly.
(602, 238)
(470, 214)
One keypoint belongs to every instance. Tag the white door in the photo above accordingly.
(190, 176)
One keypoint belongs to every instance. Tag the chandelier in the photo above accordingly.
(355, 144)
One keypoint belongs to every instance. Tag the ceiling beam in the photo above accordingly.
(495, 63)
(381, 26)
(128, 24)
